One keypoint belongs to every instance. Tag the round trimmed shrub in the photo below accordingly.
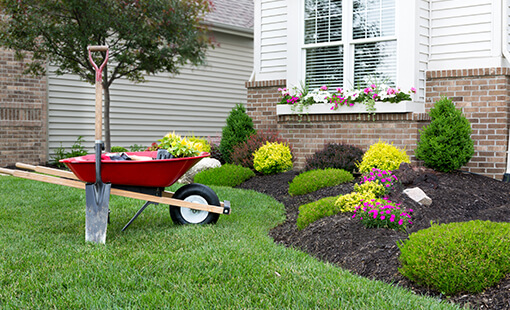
(445, 145)
(457, 257)
(311, 181)
(383, 156)
(226, 175)
(313, 211)
(273, 157)
(239, 127)
(335, 155)
(242, 154)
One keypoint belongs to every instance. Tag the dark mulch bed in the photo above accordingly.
(373, 253)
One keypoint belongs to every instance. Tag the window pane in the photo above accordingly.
(373, 18)
(323, 21)
(324, 66)
(375, 62)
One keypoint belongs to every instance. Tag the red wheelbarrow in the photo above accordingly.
(101, 176)
(145, 180)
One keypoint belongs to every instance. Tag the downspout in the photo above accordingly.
(506, 55)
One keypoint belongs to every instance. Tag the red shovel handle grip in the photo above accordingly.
(99, 71)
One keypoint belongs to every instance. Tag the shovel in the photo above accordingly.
(97, 194)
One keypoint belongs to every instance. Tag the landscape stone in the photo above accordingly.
(204, 164)
(418, 195)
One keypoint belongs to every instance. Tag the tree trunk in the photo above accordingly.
(106, 88)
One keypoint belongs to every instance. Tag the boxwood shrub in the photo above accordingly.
(226, 175)
(457, 257)
(313, 180)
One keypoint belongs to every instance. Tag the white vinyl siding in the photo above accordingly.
(273, 37)
(423, 47)
(195, 102)
(461, 34)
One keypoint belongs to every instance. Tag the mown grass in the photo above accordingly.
(155, 264)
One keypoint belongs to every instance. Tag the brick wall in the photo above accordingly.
(482, 94)
(23, 114)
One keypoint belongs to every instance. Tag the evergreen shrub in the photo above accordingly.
(335, 155)
(316, 210)
(445, 145)
(226, 175)
(239, 127)
(242, 154)
(457, 257)
(273, 157)
(313, 180)
(383, 156)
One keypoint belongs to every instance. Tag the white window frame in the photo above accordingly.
(406, 34)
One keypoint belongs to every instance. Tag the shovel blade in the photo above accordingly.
(96, 218)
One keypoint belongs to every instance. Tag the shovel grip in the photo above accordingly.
(98, 48)
(99, 87)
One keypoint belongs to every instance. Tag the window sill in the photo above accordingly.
(381, 107)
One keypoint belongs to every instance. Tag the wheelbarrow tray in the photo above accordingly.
(147, 173)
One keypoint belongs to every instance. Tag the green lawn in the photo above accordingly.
(45, 262)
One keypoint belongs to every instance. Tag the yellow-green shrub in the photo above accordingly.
(272, 158)
(370, 187)
(349, 202)
(383, 156)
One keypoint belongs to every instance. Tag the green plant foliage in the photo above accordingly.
(239, 127)
(383, 213)
(226, 175)
(272, 158)
(383, 156)
(144, 37)
(445, 145)
(349, 202)
(178, 146)
(311, 181)
(118, 149)
(457, 257)
(316, 210)
(77, 149)
(202, 143)
(137, 148)
(242, 153)
(375, 188)
(335, 155)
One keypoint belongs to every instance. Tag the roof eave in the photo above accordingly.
(230, 29)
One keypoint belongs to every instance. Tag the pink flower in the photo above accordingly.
(324, 87)
(388, 185)
(367, 90)
(392, 218)
(383, 217)
(339, 90)
(383, 180)
(413, 89)
(374, 96)
(379, 175)
(388, 211)
(401, 221)
(373, 86)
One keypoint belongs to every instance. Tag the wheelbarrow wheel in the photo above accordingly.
(197, 193)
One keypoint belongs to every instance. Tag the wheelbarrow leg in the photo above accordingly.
(138, 213)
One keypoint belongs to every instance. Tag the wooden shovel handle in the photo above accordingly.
(98, 48)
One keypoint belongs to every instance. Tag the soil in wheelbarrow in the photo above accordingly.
(373, 253)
